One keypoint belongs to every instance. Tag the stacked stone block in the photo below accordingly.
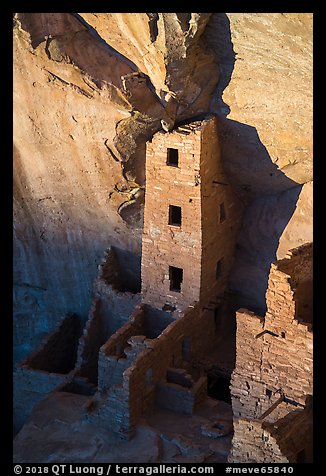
(255, 441)
(181, 399)
(135, 360)
(274, 355)
(45, 370)
(199, 186)
(127, 384)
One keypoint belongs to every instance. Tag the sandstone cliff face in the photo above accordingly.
(91, 88)
(267, 138)
(266, 92)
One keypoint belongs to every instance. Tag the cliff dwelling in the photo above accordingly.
(176, 324)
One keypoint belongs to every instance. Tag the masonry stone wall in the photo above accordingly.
(274, 354)
(206, 235)
(165, 245)
(132, 393)
(58, 351)
(180, 399)
(296, 270)
(46, 369)
(221, 215)
(298, 263)
(111, 288)
(120, 268)
(255, 441)
(252, 443)
(270, 365)
(112, 360)
(89, 344)
(196, 326)
(191, 217)
(111, 309)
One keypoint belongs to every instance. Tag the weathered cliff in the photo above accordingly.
(91, 88)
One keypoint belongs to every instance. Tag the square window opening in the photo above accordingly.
(176, 278)
(172, 157)
(222, 213)
(149, 377)
(174, 215)
(219, 268)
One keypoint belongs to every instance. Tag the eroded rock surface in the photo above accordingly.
(91, 88)
(265, 90)
(84, 109)
(168, 437)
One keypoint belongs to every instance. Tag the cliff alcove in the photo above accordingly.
(162, 219)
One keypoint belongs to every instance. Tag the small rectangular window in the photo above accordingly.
(217, 318)
(174, 215)
(219, 268)
(172, 157)
(222, 213)
(149, 376)
(186, 345)
(176, 277)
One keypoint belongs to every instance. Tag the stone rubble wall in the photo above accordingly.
(180, 399)
(90, 341)
(256, 441)
(252, 444)
(248, 390)
(149, 361)
(120, 268)
(274, 355)
(58, 351)
(116, 312)
(44, 370)
(290, 287)
(112, 362)
(272, 363)
(298, 263)
(167, 351)
(116, 306)
(110, 310)
(199, 186)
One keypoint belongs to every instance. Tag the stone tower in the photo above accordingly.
(189, 217)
